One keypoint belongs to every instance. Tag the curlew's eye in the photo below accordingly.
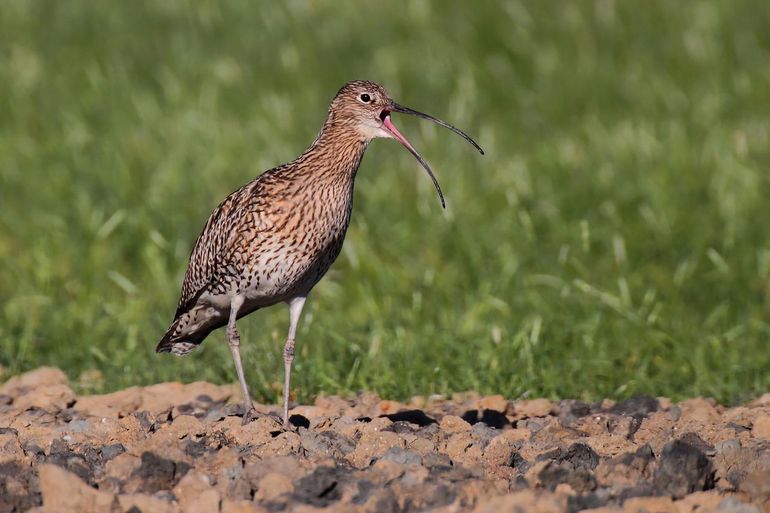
(365, 98)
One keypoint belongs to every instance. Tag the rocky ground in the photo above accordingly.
(181, 448)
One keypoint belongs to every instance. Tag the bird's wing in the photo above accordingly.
(211, 247)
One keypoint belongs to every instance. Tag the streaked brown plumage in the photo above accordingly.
(274, 238)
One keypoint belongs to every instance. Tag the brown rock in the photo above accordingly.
(700, 501)
(417, 402)
(626, 470)
(333, 406)
(468, 397)
(365, 402)
(110, 405)
(518, 434)
(525, 500)
(122, 466)
(195, 494)
(162, 397)
(761, 427)
(462, 448)
(757, 486)
(388, 407)
(309, 412)
(499, 451)
(185, 426)
(763, 400)
(648, 504)
(344, 426)
(182, 463)
(48, 397)
(375, 425)
(155, 399)
(257, 432)
(611, 445)
(41, 377)
(386, 471)
(286, 443)
(373, 445)
(532, 408)
(272, 485)
(144, 502)
(494, 402)
(10, 448)
(699, 410)
(64, 492)
(229, 506)
(423, 446)
(453, 424)
(288, 466)
(592, 425)
(657, 429)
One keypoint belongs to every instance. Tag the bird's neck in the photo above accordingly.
(335, 153)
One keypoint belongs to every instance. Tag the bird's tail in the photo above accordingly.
(180, 346)
(188, 330)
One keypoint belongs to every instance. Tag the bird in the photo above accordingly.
(274, 238)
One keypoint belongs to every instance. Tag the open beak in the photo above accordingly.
(391, 128)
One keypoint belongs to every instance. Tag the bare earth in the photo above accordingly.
(181, 448)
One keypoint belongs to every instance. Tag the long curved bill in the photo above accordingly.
(391, 128)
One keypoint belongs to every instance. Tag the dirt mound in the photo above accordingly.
(181, 448)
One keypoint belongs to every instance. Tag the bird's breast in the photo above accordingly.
(295, 244)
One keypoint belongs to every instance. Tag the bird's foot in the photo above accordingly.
(272, 420)
(250, 414)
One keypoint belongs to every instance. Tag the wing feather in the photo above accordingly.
(203, 268)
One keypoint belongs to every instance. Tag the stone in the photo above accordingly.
(700, 501)
(454, 424)
(462, 448)
(144, 502)
(757, 486)
(38, 378)
(230, 506)
(195, 494)
(525, 500)
(733, 505)
(493, 402)
(700, 410)
(257, 432)
(388, 407)
(112, 405)
(272, 485)
(373, 445)
(682, 469)
(165, 449)
(761, 427)
(55, 397)
(639, 406)
(650, 504)
(500, 451)
(64, 492)
(533, 408)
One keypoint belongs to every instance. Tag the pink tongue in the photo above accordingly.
(396, 134)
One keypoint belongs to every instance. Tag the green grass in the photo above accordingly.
(615, 240)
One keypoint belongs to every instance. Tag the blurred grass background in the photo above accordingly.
(612, 242)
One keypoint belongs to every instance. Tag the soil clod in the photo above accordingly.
(174, 447)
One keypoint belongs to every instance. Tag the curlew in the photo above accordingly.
(274, 238)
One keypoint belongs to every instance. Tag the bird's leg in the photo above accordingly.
(295, 310)
(234, 341)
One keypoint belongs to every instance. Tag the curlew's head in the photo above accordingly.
(364, 108)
